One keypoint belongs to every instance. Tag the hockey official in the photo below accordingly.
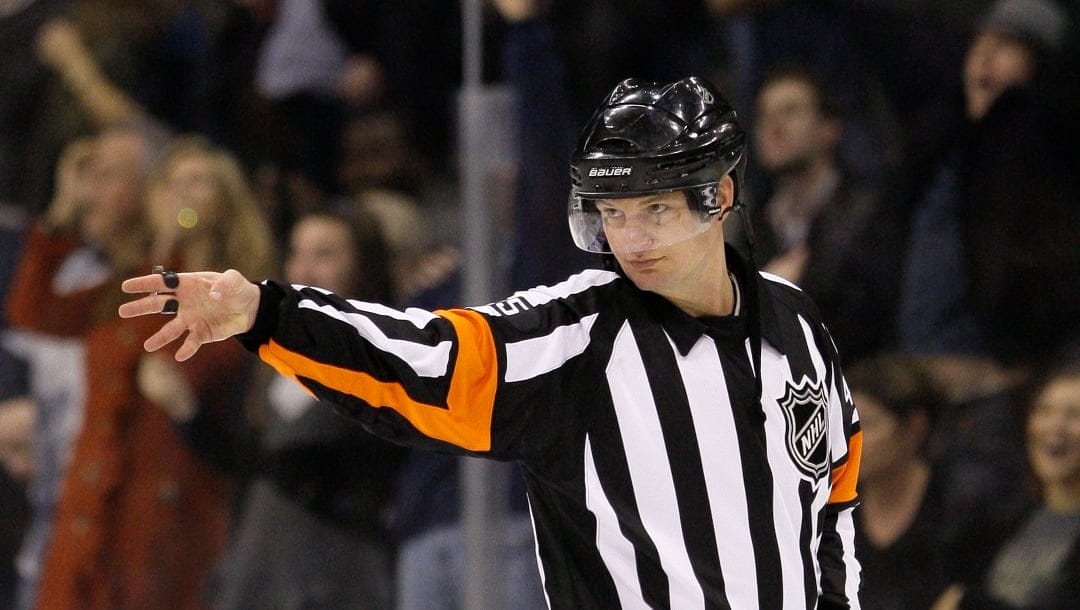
(685, 431)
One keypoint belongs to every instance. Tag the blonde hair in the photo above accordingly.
(242, 236)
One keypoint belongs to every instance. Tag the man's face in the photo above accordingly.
(659, 242)
(791, 130)
(116, 201)
(995, 61)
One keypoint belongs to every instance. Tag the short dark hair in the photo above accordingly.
(827, 103)
(1064, 363)
(901, 383)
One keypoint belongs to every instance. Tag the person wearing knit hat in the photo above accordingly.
(1010, 43)
(1040, 22)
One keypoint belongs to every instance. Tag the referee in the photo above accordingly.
(685, 431)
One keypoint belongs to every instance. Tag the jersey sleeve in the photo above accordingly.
(466, 381)
(416, 377)
(840, 571)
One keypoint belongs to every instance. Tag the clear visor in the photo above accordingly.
(623, 225)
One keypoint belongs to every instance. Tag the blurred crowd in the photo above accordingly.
(913, 167)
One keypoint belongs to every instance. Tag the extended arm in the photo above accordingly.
(417, 377)
(62, 49)
(458, 380)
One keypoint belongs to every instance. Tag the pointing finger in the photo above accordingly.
(146, 305)
(144, 283)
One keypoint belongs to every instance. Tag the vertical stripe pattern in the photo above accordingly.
(658, 478)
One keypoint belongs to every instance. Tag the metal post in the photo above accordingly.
(486, 159)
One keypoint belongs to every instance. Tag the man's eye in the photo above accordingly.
(657, 208)
(610, 213)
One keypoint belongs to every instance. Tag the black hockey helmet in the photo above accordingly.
(652, 137)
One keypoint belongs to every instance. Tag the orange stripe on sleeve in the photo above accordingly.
(471, 399)
(845, 477)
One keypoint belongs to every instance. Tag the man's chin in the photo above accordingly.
(645, 279)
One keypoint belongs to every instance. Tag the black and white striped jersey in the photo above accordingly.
(656, 477)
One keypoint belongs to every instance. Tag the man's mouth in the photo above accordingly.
(641, 263)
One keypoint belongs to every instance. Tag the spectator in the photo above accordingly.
(108, 62)
(979, 228)
(93, 219)
(417, 49)
(915, 535)
(202, 209)
(975, 439)
(305, 69)
(377, 154)
(313, 529)
(746, 37)
(1038, 568)
(815, 214)
(424, 266)
(983, 217)
(141, 517)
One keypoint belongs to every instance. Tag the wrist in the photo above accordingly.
(266, 305)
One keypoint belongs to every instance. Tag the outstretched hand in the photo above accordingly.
(209, 307)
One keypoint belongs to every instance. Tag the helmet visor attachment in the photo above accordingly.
(628, 223)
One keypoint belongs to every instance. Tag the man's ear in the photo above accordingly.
(725, 196)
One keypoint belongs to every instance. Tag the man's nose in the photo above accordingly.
(639, 234)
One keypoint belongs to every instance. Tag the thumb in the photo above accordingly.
(227, 284)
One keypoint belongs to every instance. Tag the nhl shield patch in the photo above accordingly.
(806, 424)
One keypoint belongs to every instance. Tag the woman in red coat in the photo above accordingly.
(141, 517)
